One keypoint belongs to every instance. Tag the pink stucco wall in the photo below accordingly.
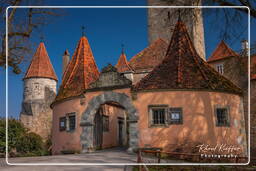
(198, 120)
(63, 140)
(110, 138)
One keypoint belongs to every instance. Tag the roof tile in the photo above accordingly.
(122, 64)
(40, 65)
(81, 71)
(149, 57)
(183, 68)
(222, 51)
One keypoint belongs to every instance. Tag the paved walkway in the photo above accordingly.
(104, 156)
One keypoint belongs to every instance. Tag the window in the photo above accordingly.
(105, 123)
(175, 116)
(222, 117)
(219, 68)
(72, 122)
(68, 123)
(62, 124)
(157, 115)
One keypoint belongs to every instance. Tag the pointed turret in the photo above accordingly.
(182, 68)
(40, 66)
(222, 51)
(40, 84)
(80, 72)
(122, 64)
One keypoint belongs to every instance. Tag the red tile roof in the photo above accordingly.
(81, 71)
(40, 65)
(182, 68)
(222, 51)
(122, 64)
(150, 57)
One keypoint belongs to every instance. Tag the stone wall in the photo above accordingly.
(36, 113)
(161, 22)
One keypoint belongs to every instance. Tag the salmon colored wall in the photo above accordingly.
(198, 119)
(63, 140)
(110, 138)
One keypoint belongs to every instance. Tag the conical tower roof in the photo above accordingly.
(122, 64)
(81, 71)
(182, 68)
(40, 66)
(222, 51)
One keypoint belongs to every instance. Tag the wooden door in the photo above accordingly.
(120, 131)
(98, 131)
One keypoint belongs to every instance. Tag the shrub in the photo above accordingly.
(15, 131)
(20, 140)
(30, 142)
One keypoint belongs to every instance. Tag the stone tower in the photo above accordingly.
(161, 21)
(39, 92)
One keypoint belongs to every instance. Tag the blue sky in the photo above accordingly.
(106, 30)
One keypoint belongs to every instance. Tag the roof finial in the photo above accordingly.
(122, 45)
(83, 34)
(41, 38)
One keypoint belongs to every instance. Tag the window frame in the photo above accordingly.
(172, 121)
(150, 115)
(227, 108)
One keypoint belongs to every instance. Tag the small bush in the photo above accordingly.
(30, 142)
(21, 143)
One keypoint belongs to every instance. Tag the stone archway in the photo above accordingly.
(89, 114)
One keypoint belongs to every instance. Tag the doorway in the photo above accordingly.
(98, 131)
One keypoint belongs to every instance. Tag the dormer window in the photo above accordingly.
(220, 68)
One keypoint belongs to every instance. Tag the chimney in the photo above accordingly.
(245, 47)
(65, 61)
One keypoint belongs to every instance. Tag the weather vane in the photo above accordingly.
(83, 34)
(42, 38)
